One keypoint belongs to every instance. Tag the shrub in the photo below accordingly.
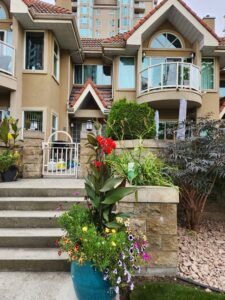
(7, 160)
(129, 120)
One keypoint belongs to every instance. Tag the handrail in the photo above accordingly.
(7, 58)
(170, 75)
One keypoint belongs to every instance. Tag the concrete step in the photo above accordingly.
(29, 237)
(38, 259)
(29, 219)
(38, 203)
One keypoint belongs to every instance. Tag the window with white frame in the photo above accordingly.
(208, 74)
(3, 114)
(54, 125)
(56, 60)
(34, 54)
(99, 74)
(166, 40)
(126, 73)
(33, 120)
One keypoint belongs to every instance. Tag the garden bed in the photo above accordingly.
(202, 255)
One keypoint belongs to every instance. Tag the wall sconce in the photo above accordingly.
(143, 54)
(193, 56)
(11, 26)
(71, 125)
(89, 125)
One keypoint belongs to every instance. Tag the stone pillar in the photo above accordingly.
(155, 214)
(32, 154)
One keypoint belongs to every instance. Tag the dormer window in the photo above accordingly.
(166, 40)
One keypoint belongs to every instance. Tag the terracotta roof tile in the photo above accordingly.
(125, 36)
(222, 104)
(222, 41)
(104, 94)
(91, 43)
(41, 7)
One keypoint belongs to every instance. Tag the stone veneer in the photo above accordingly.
(32, 154)
(155, 214)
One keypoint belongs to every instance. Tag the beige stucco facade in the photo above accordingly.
(40, 91)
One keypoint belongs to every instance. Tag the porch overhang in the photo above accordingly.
(63, 26)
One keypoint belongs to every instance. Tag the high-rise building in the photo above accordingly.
(105, 18)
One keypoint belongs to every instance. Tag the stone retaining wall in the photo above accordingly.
(155, 213)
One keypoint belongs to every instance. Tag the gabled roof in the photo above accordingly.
(122, 38)
(92, 43)
(41, 7)
(102, 96)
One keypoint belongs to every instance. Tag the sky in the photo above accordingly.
(214, 8)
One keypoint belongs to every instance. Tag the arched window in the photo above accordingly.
(3, 12)
(166, 40)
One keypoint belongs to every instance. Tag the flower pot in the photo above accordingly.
(10, 174)
(89, 284)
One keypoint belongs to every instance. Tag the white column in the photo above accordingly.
(182, 119)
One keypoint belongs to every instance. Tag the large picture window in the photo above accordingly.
(208, 73)
(126, 73)
(3, 13)
(34, 50)
(99, 74)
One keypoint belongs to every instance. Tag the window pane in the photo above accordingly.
(34, 50)
(56, 60)
(78, 74)
(3, 14)
(127, 73)
(207, 74)
(166, 40)
(84, 32)
(33, 120)
(222, 88)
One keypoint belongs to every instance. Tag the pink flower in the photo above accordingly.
(146, 256)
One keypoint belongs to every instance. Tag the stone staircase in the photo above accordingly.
(28, 224)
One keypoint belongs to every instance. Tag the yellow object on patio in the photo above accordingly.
(61, 165)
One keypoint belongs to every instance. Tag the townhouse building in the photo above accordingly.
(52, 79)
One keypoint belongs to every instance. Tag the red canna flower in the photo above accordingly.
(98, 165)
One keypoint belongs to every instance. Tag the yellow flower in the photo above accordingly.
(113, 244)
(107, 230)
(144, 238)
(119, 220)
(10, 137)
(85, 229)
(127, 223)
(113, 231)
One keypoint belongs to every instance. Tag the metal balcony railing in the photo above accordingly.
(7, 58)
(177, 75)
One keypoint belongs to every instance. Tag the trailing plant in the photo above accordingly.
(200, 162)
(129, 120)
(117, 254)
(147, 168)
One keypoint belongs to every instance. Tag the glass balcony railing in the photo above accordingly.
(170, 75)
(7, 58)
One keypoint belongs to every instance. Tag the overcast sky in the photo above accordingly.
(215, 8)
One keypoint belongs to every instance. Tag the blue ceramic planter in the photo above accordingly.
(89, 284)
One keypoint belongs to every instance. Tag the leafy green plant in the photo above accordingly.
(148, 169)
(9, 130)
(117, 254)
(129, 120)
(200, 162)
(7, 160)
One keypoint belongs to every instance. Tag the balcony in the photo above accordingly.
(139, 7)
(170, 81)
(7, 62)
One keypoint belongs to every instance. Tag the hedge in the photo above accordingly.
(129, 120)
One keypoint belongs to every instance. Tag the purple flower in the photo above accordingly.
(132, 286)
(120, 263)
(116, 289)
(76, 194)
(123, 255)
(130, 237)
(115, 271)
(131, 258)
(128, 277)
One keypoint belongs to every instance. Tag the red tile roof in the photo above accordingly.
(222, 41)
(124, 37)
(41, 7)
(91, 43)
(104, 94)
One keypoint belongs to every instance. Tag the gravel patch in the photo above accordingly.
(202, 255)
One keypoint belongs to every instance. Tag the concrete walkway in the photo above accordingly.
(36, 286)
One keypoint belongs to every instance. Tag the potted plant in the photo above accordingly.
(103, 248)
(8, 165)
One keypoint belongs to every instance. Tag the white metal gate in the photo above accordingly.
(60, 158)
